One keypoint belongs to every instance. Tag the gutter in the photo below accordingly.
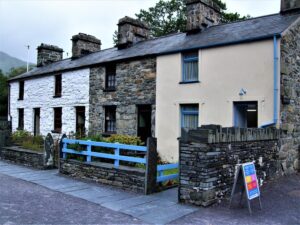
(276, 90)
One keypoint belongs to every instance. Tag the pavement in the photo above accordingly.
(159, 208)
(31, 196)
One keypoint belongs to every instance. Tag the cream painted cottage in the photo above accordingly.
(243, 74)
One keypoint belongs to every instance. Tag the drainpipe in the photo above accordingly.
(275, 81)
(275, 75)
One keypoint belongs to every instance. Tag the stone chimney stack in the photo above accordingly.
(201, 14)
(47, 54)
(84, 44)
(131, 31)
(289, 5)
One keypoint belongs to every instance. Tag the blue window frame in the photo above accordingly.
(190, 67)
(189, 116)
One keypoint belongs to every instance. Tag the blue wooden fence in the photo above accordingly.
(116, 156)
(161, 168)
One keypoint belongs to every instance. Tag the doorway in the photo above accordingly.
(245, 114)
(144, 122)
(80, 121)
(37, 118)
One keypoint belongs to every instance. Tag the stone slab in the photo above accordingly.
(165, 215)
(126, 203)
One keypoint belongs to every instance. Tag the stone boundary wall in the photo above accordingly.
(207, 165)
(23, 157)
(131, 179)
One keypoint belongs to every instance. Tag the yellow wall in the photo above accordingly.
(223, 71)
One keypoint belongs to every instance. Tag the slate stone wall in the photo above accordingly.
(207, 165)
(290, 99)
(131, 179)
(135, 85)
(23, 157)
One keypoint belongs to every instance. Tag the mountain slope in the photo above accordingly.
(7, 62)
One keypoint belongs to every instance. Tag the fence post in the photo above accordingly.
(117, 153)
(89, 151)
(151, 166)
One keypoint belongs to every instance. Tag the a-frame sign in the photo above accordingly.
(245, 182)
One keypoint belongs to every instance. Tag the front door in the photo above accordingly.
(80, 121)
(144, 122)
(36, 121)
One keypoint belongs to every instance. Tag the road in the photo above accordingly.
(23, 202)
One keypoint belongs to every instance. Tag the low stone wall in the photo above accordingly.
(5, 132)
(127, 178)
(208, 158)
(23, 157)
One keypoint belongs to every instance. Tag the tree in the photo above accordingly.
(170, 16)
(3, 94)
(4, 86)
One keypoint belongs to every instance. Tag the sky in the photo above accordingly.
(32, 22)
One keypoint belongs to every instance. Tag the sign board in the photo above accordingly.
(250, 179)
(245, 181)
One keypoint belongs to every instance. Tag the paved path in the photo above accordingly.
(158, 208)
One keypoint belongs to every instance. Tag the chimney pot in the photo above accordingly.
(48, 54)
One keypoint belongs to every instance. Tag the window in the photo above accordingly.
(21, 119)
(21, 90)
(57, 92)
(190, 67)
(110, 77)
(57, 119)
(189, 116)
(80, 121)
(110, 119)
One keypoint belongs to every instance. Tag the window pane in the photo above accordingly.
(110, 119)
(190, 67)
(189, 116)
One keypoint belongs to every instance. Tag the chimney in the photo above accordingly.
(48, 54)
(201, 14)
(289, 5)
(131, 31)
(84, 44)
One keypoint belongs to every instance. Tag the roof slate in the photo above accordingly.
(224, 34)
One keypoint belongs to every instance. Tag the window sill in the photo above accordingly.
(56, 131)
(189, 82)
(109, 90)
(57, 96)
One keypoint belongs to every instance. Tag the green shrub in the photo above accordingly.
(124, 139)
(28, 141)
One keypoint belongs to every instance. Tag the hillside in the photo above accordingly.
(7, 62)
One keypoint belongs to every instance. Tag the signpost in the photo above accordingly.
(245, 182)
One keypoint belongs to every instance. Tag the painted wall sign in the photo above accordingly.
(250, 178)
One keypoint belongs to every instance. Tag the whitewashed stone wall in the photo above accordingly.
(39, 92)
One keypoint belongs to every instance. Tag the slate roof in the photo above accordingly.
(224, 34)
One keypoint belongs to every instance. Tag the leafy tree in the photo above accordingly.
(3, 94)
(170, 16)
(4, 87)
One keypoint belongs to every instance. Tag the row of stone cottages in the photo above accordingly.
(243, 74)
